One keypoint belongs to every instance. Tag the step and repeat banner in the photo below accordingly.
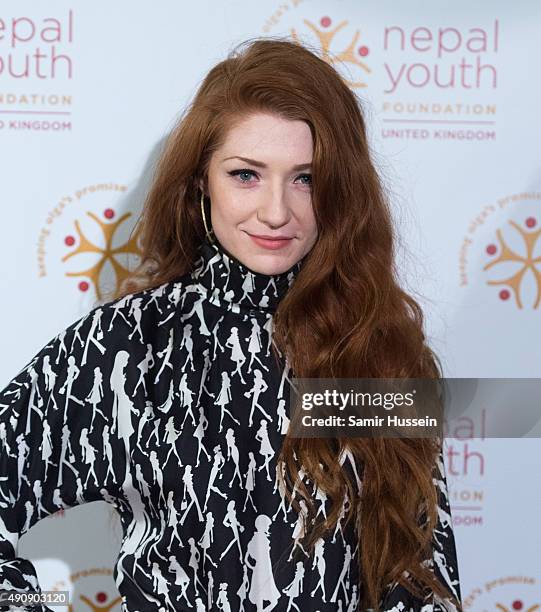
(89, 91)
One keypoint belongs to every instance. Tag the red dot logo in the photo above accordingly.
(504, 294)
(69, 240)
(517, 604)
(363, 51)
(325, 22)
(108, 213)
(83, 286)
(491, 249)
(531, 222)
(101, 597)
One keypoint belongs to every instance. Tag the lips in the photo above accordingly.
(272, 242)
(265, 237)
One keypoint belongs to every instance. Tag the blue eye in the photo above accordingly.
(252, 173)
(239, 172)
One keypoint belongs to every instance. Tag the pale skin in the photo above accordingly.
(274, 200)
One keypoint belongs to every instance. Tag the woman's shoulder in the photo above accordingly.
(137, 316)
(128, 323)
(111, 336)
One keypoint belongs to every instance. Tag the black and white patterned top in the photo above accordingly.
(170, 405)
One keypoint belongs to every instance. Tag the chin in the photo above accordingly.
(272, 264)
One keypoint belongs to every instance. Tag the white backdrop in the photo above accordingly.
(452, 101)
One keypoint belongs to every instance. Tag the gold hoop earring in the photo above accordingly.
(209, 236)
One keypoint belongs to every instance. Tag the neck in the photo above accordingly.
(231, 284)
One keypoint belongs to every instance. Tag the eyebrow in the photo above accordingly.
(259, 164)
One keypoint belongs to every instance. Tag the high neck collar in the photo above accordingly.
(232, 285)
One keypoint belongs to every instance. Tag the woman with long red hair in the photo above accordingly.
(267, 252)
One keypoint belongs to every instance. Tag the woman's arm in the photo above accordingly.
(43, 463)
(443, 562)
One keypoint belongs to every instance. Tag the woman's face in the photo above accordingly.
(268, 193)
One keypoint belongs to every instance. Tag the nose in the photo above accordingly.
(273, 210)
